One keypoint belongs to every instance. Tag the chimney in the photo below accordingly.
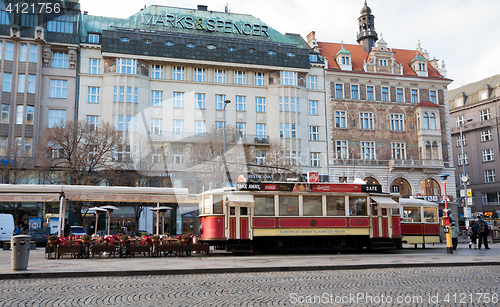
(202, 7)
(311, 36)
(85, 12)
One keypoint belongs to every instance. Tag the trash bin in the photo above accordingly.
(195, 241)
(20, 252)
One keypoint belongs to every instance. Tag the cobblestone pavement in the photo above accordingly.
(457, 286)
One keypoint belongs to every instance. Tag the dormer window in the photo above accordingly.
(459, 102)
(421, 66)
(345, 60)
(383, 62)
(484, 95)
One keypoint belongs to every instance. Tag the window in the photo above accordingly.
(119, 122)
(426, 121)
(220, 76)
(241, 128)
(411, 214)
(286, 132)
(19, 114)
(312, 205)
(199, 101)
(93, 95)
(432, 121)
(315, 159)
(369, 93)
(260, 158)
(126, 66)
(240, 103)
(33, 53)
(461, 141)
(61, 23)
(21, 83)
(190, 45)
(28, 146)
(131, 124)
(335, 205)
(288, 78)
(156, 126)
(157, 98)
(260, 130)
(357, 206)
(340, 119)
(486, 135)
(120, 97)
(271, 52)
(92, 122)
(432, 96)
(18, 144)
(345, 60)
(30, 115)
(464, 160)
(7, 78)
(58, 88)
(199, 127)
(178, 155)
(314, 133)
(259, 79)
(260, 104)
(178, 127)
(219, 125)
(414, 96)
(385, 94)
(488, 155)
(60, 60)
(313, 82)
(264, 206)
(169, 43)
(366, 120)
(398, 151)
(94, 66)
(4, 140)
(367, 150)
(239, 77)
(156, 71)
(5, 113)
(22, 52)
(338, 91)
(399, 95)
(31, 84)
(489, 176)
(341, 149)
(397, 122)
(383, 62)
(178, 100)
(313, 107)
(199, 74)
(156, 155)
(295, 131)
(94, 38)
(9, 51)
(219, 101)
(313, 58)
(484, 115)
(354, 92)
(57, 118)
(178, 73)
(459, 121)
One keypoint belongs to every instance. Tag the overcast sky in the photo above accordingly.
(462, 33)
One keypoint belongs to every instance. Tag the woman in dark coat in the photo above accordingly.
(473, 234)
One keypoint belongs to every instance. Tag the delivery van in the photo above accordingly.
(6, 227)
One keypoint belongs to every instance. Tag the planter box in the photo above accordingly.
(171, 249)
(103, 249)
(140, 249)
(198, 248)
(76, 250)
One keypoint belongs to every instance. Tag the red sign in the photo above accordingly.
(270, 187)
(312, 177)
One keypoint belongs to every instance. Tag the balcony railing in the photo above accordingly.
(427, 165)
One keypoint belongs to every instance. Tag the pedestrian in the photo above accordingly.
(67, 228)
(454, 235)
(472, 234)
(483, 232)
(18, 229)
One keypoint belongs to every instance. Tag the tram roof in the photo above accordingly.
(416, 202)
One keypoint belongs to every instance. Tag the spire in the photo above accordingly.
(367, 35)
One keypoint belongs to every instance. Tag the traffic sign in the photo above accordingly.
(462, 193)
(469, 201)
(469, 192)
(467, 212)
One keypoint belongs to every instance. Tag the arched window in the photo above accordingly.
(430, 187)
(401, 186)
(435, 151)
(371, 181)
(433, 121)
(428, 154)
(426, 121)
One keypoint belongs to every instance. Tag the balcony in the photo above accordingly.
(360, 162)
(428, 166)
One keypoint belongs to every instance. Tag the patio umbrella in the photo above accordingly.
(97, 211)
(162, 211)
(110, 210)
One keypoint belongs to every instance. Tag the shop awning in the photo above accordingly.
(241, 200)
(385, 202)
(28, 197)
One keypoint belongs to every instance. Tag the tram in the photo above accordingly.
(293, 217)
(420, 223)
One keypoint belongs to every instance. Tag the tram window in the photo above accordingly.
(243, 211)
(411, 214)
(289, 205)
(335, 205)
(395, 211)
(357, 206)
(232, 211)
(312, 205)
(264, 205)
(430, 215)
(218, 204)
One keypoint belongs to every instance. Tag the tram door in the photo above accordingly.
(239, 219)
(380, 221)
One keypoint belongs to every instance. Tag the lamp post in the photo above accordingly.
(226, 102)
(464, 178)
(446, 218)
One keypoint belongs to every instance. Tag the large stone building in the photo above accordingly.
(475, 108)
(387, 115)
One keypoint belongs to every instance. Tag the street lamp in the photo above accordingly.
(226, 102)
(464, 178)
(446, 217)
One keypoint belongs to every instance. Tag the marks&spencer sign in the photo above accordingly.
(203, 24)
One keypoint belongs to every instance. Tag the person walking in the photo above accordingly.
(473, 234)
(483, 232)
(454, 235)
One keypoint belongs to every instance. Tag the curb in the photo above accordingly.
(239, 270)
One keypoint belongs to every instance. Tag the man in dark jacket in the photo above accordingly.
(473, 234)
(483, 232)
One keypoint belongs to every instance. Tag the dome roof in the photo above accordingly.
(366, 9)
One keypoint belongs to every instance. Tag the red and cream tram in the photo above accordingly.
(420, 224)
(283, 217)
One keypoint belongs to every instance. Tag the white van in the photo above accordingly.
(6, 227)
